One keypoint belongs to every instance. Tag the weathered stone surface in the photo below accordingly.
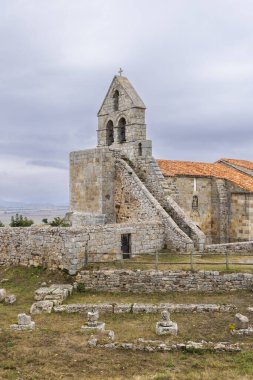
(148, 281)
(208, 308)
(24, 323)
(66, 248)
(67, 287)
(10, 299)
(81, 308)
(122, 308)
(142, 308)
(92, 317)
(18, 327)
(111, 335)
(24, 319)
(98, 326)
(92, 341)
(42, 307)
(231, 248)
(166, 326)
(158, 346)
(92, 323)
(2, 294)
(227, 308)
(241, 321)
(248, 331)
(41, 293)
(55, 293)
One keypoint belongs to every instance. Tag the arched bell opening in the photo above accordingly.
(109, 133)
(122, 130)
(116, 100)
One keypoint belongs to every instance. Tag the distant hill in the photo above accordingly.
(17, 205)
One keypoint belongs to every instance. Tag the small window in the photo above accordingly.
(195, 202)
(140, 149)
(122, 130)
(109, 133)
(116, 100)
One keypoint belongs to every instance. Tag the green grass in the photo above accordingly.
(171, 261)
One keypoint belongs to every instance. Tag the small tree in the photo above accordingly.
(45, 221)
(59, 222)
(20, 221)
(1, 224)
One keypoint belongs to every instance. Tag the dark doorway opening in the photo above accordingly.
(126, 246)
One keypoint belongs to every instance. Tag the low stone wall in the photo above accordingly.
(148, 281)
(236, 248)
(71, 248)
(143, 345)
(138, 308)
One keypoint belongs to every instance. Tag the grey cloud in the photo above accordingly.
(191, 62)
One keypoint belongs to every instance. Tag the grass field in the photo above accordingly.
(57, 348)
(169, 261)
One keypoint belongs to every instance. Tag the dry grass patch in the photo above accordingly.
(57, 348)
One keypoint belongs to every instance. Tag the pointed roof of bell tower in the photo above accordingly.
(123, 85)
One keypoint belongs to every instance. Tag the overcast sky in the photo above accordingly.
(191, 61)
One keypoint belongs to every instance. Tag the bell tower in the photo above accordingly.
(121, 120)
(121, 127)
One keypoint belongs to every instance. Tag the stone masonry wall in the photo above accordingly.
(145, 206)
(92, 182)
(148, 170)
(231, 248)
(202, 214)
(220, 203)
(224, 212)
(241, 217)
(148, 281)
(211, 215)
(71, 248)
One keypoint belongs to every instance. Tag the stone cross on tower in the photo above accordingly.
(120, 71)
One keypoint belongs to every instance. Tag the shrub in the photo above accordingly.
(20, 221)
(59, 222)
(1, 224)
(80, 288)
(45, 220)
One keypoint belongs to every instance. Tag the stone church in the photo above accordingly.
(120, 185)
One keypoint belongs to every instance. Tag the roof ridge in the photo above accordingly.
(185, 161)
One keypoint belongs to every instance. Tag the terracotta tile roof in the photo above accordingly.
(243, 163)
(201, 169)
